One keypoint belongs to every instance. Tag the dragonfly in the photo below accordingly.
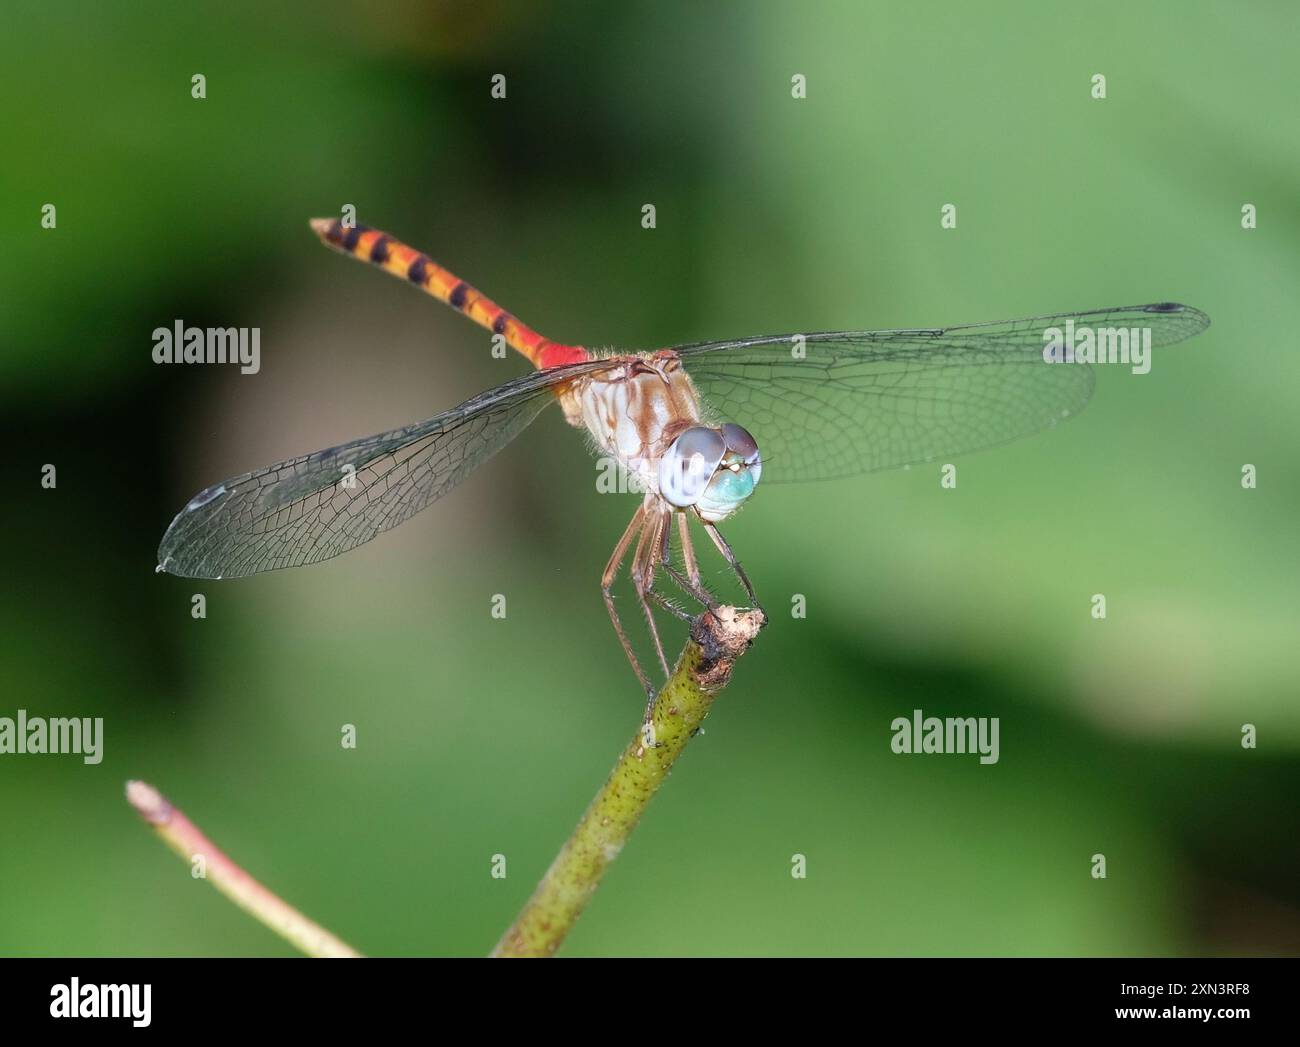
(686, 423)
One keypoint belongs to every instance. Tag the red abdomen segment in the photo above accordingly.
(393, 256)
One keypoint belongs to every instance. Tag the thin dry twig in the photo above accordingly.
(187, 840)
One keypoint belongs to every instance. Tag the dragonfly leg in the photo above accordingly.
(660, 600)
(649, 553)
(606, 584)
(688, 550)
(730, 557)
(699, 593)
(692, 571)
(690, 583)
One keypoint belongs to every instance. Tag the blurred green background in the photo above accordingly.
(480, 736)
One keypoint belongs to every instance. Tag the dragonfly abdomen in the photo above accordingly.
(415, 267)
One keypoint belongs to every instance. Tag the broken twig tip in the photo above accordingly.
(723, 636)
(148, 802)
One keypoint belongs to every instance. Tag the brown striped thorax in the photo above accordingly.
(646, 413)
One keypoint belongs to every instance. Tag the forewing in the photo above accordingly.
(862, 401)
(311, 508)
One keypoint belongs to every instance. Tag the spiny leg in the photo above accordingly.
(660, 600)
(730, 557)
(607, 582)
(692, 586)
(697, 592)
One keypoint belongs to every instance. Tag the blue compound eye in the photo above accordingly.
(734, 479)
(744, 447)
(739, 441)
(689, 464)
(729, 488)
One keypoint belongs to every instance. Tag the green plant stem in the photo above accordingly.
(704, 668)
(187, 840)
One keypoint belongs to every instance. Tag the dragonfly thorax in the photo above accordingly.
(635, 409)
(644, 412)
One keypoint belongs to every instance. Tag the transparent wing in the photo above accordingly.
(311, 508)
(861, 401)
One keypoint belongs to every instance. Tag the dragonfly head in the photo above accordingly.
(714, 470)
